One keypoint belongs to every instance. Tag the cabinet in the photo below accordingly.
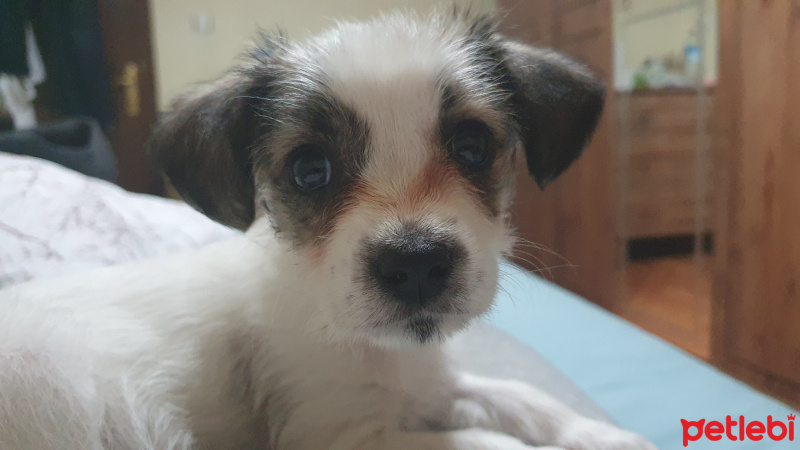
(661, 165)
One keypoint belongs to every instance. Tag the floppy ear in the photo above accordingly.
(557, 103)
(203, 147)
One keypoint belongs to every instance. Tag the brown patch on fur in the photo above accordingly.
(439, 179)
(317, 252)
(435, 181)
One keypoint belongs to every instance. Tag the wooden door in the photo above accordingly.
(757, 274)
(575, 216)
(128, 52)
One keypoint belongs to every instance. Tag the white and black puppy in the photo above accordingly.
(372, 168)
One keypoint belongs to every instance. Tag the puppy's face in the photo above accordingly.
(383, 156)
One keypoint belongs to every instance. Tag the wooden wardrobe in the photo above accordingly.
(756, 309)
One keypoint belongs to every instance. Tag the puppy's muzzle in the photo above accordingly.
(415, 266)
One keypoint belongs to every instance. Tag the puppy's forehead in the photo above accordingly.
(390, 73)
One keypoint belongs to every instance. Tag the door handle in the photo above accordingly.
(129, 82)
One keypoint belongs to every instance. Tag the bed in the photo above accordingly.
(54, 221)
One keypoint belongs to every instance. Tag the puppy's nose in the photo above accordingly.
(415, 275)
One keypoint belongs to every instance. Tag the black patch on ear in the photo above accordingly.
(204, 144)
(203, 147)
(557, 103)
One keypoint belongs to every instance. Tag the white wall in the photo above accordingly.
(197, 40)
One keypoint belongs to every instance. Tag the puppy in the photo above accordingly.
(372, 168)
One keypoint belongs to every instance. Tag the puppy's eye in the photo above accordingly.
(471, 144)
(309, 168)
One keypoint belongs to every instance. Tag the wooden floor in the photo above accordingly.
(671, 298)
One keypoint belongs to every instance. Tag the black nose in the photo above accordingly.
(415, 275)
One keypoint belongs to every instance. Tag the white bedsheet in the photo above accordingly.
(82, 222)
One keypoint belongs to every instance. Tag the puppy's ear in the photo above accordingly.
(557, 103)
(203, 147)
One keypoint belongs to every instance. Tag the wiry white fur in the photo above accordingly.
(253, 344)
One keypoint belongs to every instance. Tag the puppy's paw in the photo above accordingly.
(592, 435)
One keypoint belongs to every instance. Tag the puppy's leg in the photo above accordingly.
(519, 410)
(48, 400)
(45, 404)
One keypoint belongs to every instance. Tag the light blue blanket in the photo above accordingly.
(646, 384)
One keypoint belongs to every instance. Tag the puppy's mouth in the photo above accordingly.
(424, 326)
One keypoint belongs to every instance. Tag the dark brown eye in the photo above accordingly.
(471, 144)
(309, 168)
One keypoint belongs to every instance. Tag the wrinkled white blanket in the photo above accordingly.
(55, 221)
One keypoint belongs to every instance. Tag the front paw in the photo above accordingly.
(593, 435)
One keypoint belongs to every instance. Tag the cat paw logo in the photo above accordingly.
(738, 430)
